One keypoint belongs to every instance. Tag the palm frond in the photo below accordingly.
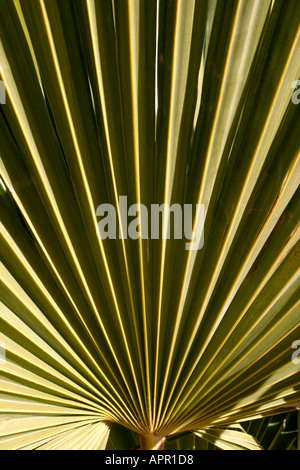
(164, 102)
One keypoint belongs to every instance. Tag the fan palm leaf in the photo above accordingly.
(164, 102)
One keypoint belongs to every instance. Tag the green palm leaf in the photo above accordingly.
(164, 102)
(278, 432)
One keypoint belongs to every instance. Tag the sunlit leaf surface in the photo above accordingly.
(164, 102)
